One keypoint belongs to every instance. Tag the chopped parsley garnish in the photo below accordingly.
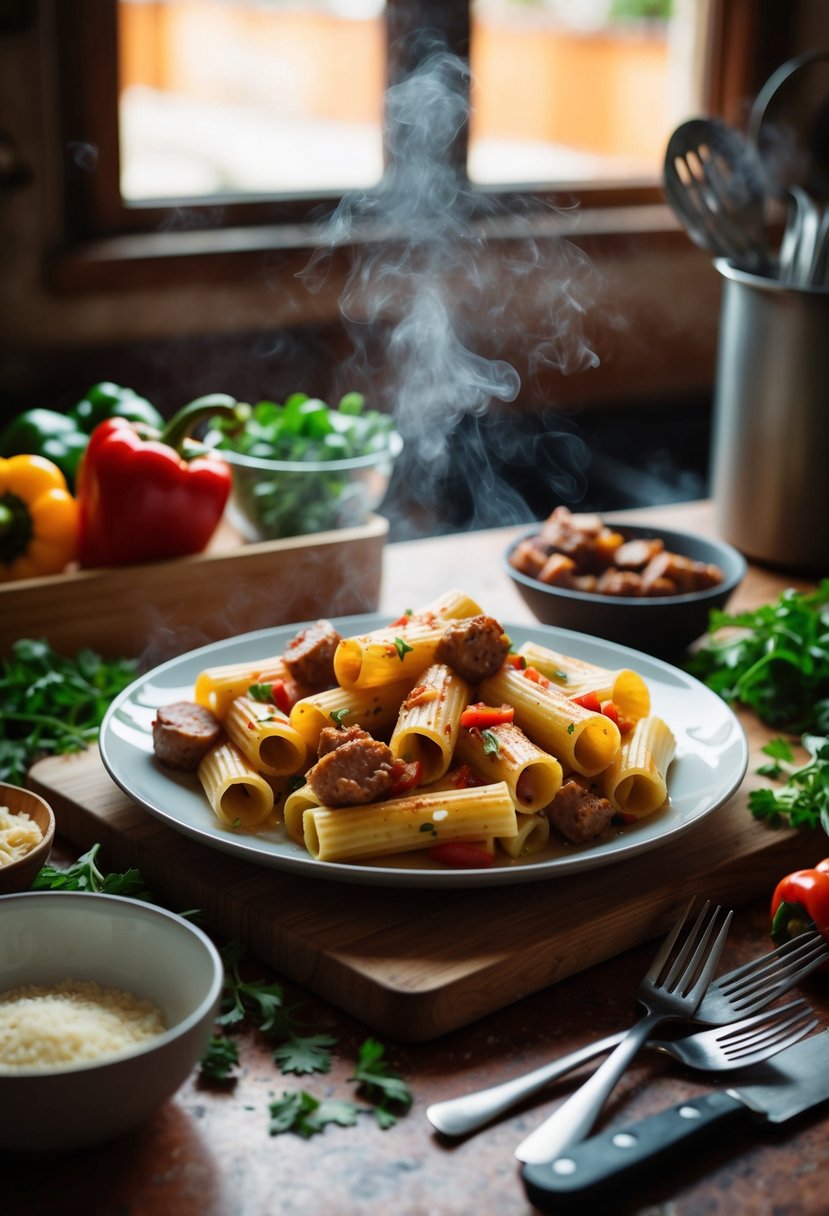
(261, 692)
(491, 742)
(402, 648)
(571, 728)
(339, 715)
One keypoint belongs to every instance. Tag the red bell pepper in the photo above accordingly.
(461, 856)
(801, 898)
(482, 716)
(143, 497)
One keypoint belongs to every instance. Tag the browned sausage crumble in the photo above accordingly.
(353, 768)
(580, 553)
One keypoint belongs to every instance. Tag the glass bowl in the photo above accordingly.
(276, 498)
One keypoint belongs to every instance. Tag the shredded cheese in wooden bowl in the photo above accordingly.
(19, 834)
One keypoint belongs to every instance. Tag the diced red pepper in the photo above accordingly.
(482, 716)
(589, 700)
(465, 778)
(610, 710)
(284, 695)
(401, 620)
(532, 673)
(405, 776)
(461, 856)
(516, 660)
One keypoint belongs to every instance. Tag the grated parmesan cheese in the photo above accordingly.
(43, 1028)
(19, 834)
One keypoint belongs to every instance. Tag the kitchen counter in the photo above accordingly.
(209, 1150)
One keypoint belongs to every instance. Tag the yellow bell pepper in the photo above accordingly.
(38, 518)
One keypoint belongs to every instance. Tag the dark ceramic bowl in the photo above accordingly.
(660, 625)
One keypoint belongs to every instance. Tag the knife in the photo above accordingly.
(794, 1081)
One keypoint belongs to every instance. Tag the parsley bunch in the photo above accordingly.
(774, 659)
(50, 704)
(803, 798)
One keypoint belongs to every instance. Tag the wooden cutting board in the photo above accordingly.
(415, 964)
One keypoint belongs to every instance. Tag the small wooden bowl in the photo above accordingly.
(19, 875)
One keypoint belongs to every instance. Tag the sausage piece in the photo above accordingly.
(474, 647)
(352, 769)
(578, 814)
(309, 657)
(183, 734)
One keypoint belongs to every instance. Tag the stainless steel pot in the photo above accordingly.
(770, 454)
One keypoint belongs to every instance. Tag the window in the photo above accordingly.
(213, 113)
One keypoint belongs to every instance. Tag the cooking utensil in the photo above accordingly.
(792, 143)
(739, 1045)
(714, 182)
(747, 989)
(795, 1081)
(671, 991)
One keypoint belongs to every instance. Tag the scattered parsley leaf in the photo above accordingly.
(338, 715)
(305, 1115)
(84, 875)
(309, 1053)
(261, 692)
(221, 1057)
(379, 1085)
(802, 800)
(402, 648)
(571, 728)
(253, 998)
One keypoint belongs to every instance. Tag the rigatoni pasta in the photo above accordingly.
(636, 780)
(428, 724)
(582, 740)
(415, 822)
(491, 758)
(239, 795)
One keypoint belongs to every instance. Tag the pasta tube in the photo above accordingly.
(389, 655)
(506, 754)
(296, 804)
(635, 783)
(416, 821)
(429, 721)
(531, 837)
(264, 734)
(372, 708)
(578, 738)
(625, 688)
(239, 795)
(217, 687)
(452, 606)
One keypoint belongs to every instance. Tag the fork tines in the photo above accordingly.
(695, 962)
(771, 974)
(756, 1037)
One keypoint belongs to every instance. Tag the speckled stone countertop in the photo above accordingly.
(209, 1150)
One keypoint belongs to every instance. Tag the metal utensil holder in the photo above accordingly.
(770, 454)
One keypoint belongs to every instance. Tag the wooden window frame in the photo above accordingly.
(105, 243)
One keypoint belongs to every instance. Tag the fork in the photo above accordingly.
(746, 990)
(671, 991)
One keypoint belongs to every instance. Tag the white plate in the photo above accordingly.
(711, 761)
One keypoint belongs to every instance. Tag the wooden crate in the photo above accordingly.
(160, 609)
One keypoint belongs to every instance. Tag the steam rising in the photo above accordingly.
(435, 273)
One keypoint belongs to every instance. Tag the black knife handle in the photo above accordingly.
(590, 1169)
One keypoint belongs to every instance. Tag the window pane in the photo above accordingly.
(249, 96)
(579, 90)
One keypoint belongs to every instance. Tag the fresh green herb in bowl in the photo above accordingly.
(303, 466)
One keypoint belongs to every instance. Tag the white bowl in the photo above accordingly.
(49, 936)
